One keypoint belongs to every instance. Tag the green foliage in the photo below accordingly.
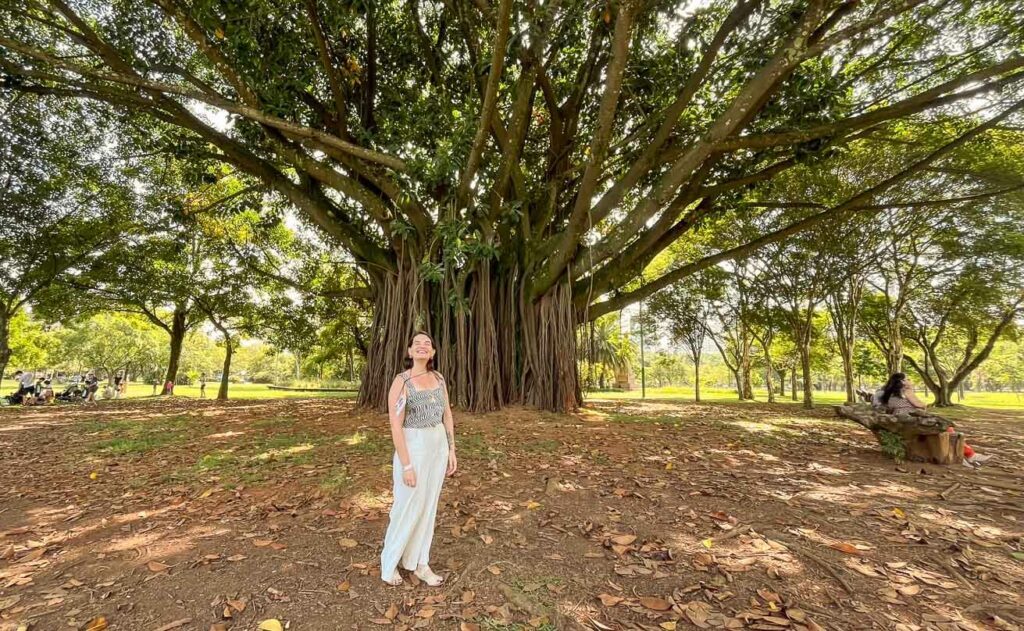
(892, 445)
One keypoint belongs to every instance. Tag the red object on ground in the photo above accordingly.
(968, 452)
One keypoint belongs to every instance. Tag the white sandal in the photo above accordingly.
(396, 580)
(425, 574)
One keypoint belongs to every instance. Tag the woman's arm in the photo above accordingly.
(908, 394)
(396, 413)
(449, 429)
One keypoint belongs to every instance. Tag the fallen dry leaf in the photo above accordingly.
(98, 623)
(33, 555)
(348, 543)
(272, 624)
(609, 600)
(844, 547)
(655, 603)
(426, 612)
(156, 566)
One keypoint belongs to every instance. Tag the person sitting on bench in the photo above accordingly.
(898, 396)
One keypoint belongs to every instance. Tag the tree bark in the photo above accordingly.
(696, 378)
(805, 367)
(494, 346)
(792, 378)
(179, 328)
(5, 349)
(222, 393)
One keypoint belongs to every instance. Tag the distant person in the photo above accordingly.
(898, 396)
(118, 385)
(202, 386)
(156, 384)
(169, 387)
(46, 395)
(92, 386)
(27, 383)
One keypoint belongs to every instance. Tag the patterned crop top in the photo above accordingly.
(424, 408)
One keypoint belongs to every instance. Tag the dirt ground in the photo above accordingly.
(159, 515)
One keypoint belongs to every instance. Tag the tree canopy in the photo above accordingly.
(502, 171)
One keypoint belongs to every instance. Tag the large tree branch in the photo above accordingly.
(323, 48)
(490, 101)
(835, 212)
(252, 113)
(929, 99)
(748, 101)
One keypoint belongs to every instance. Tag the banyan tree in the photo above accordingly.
(501, 170)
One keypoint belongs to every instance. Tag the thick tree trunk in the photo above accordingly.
(894, 355)
(782, 382)
(746, 387)
(768, 383)
(851, 396)
(805, 368)
(696, 379)
(222, 393)
(493, 345)
(179, 328)
(5, 349)
(792, 383)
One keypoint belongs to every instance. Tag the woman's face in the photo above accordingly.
(421, 348)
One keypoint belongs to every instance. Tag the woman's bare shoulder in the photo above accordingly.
(439, 376)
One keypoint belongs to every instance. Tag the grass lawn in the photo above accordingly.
(235, 391)
(991, 400)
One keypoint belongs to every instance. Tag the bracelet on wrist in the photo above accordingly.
(407, 467)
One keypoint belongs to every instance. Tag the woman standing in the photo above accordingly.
(424, 435)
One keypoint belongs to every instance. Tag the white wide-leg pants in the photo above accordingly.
(414, 511)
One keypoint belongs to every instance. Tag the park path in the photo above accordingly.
(626, 515)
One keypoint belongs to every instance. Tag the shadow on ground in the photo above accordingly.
(625, 515)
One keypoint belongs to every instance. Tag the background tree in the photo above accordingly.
(62, 201)
(683, 312)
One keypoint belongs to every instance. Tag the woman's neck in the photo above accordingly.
(419, 366)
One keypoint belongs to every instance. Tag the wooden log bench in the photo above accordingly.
(916, 435)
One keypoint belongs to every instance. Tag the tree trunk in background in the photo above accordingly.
(792, 378)
(222, 393)
(746, 386)
(493, 345)
(894, 355)
(696, 378)
(5, 349)
(351, 366)
(805, 367)
(178, 330)
(782, 381)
